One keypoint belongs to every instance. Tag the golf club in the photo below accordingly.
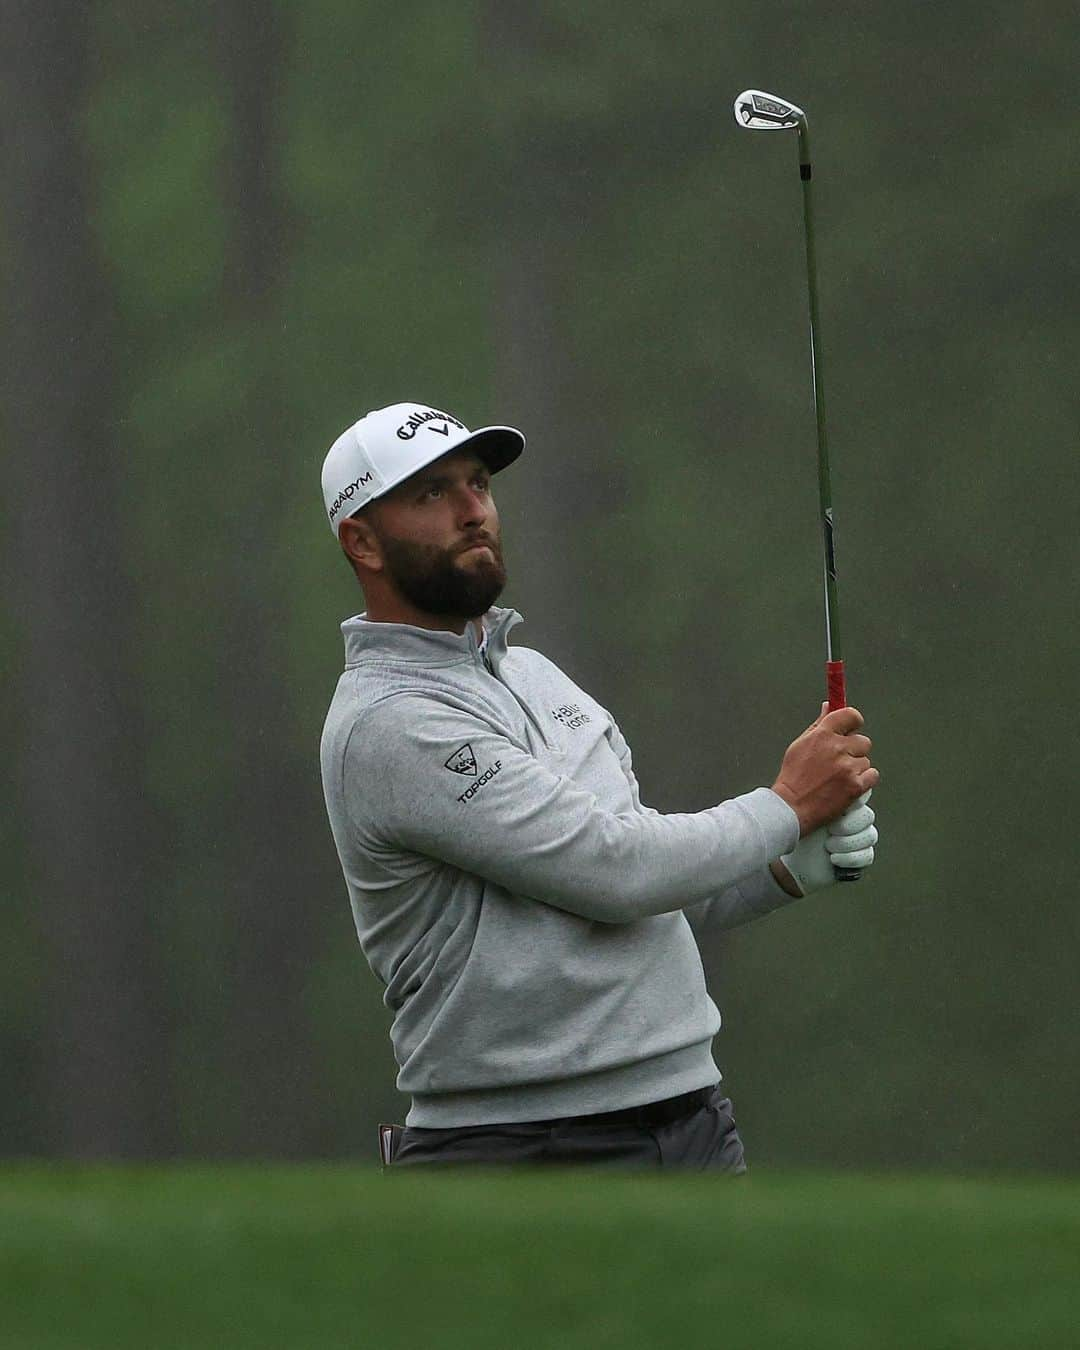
(758, 111)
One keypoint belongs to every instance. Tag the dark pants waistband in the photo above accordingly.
(652, 1113)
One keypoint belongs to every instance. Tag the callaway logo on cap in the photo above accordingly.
(388, 445)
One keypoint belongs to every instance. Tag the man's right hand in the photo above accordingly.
(826, 769)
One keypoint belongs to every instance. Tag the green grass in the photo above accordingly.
(330, 1256)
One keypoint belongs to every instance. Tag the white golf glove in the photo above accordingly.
(846, 842)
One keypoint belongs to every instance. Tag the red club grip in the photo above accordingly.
(835, 685)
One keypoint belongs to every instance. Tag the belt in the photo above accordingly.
(652, 1113)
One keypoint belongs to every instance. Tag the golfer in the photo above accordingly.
(532, 922)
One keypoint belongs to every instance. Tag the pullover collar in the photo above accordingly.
(366, 640)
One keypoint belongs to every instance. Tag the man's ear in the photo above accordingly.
(361, 543)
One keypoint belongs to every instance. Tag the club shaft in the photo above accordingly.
(834, 662)
(832, 622)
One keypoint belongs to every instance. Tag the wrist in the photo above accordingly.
(786, 795)
(784, 879)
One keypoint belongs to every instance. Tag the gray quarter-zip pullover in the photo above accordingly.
(529, 918)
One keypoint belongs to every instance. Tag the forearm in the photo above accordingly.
(736, 904)
(752, 898)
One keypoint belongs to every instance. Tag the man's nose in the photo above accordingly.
(472, 506)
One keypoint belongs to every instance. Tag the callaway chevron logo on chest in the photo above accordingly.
(570, 715)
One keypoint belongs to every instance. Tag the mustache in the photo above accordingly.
(487, 539)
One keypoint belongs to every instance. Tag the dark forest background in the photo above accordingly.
(227, 231)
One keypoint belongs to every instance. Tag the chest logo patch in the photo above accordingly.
(463, 761)
(570, 715)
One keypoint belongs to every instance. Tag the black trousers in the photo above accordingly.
(695, 1131)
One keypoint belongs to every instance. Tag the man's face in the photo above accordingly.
(439, 536)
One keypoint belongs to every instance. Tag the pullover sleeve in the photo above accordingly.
(435, 779)
(751, 897)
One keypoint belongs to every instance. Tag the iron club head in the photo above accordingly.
(758, 111)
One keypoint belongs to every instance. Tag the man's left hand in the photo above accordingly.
(846, 842)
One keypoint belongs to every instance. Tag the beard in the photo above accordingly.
(437, 581)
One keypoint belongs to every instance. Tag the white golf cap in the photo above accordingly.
(388, 445)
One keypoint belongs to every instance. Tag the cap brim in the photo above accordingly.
(496, 446)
